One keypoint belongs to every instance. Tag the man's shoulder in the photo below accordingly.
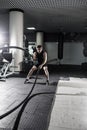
(44, 51)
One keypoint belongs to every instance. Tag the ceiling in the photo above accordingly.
(51, 15)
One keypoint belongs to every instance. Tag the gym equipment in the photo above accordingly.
(5, 65)
(60, 45)
(4, 71)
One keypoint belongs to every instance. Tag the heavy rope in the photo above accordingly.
(27, 99)
(12, 110)
(13, 47)
(17, 121)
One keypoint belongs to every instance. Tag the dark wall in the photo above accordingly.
(4, 27)
(50, 37)
(31, 37)
(53, 37)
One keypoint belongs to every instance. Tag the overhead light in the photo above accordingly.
(31, 28)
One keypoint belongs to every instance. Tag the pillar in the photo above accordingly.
(39, 38)
(16, 36)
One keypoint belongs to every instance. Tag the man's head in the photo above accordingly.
(39, 48)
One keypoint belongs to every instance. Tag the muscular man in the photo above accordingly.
(41, 57)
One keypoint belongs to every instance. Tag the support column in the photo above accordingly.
(39, 38)
(16, 35)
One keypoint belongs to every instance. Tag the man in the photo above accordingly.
(41, 56)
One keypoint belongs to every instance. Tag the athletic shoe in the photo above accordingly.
(26, 80)
(47, 82)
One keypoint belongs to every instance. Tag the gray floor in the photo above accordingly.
(70, 106)
(36, 113)
(66, 109)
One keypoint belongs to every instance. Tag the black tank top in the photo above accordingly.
(40, 57)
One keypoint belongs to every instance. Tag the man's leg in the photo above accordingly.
(31, 71)
(45, 68)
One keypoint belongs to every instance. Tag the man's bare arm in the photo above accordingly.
(34, 56)
(45, 58)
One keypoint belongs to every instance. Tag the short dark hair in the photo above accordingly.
(39, 46)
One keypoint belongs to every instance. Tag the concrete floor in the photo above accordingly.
(66, 109)
(70, 106)
(36, 113)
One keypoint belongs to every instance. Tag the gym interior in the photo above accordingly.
(60, 26)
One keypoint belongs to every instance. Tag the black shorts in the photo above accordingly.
(37, 65)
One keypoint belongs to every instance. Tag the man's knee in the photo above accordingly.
(45, 68)
(34, 68)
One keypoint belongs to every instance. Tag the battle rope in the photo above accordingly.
(26, 100)
(12, 110)
(16, 124)
(13, 47)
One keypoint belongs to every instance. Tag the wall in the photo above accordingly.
(72, 53)
(51, 48)
(4, 29)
